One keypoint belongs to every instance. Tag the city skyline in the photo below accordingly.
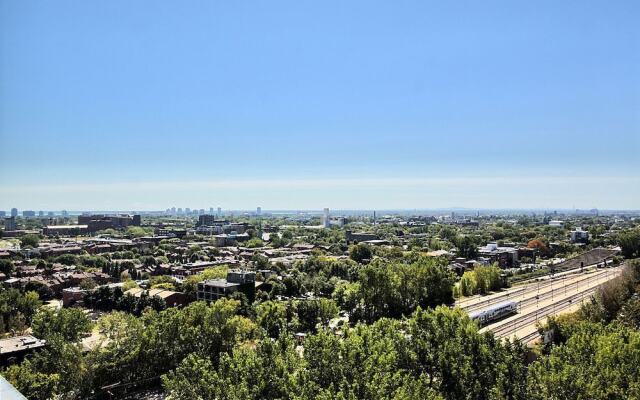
(434, 193)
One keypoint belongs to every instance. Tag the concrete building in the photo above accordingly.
(14, 212)
(556, 224)
(579, 236)
(209, 220)
(65, 230)
(14, 349)
(3, 214)
(10, 224)
(101, 222)
(505, 256)
(72, 295)
(357, 237)
(28, 213)
(237, 281)
(326, 219)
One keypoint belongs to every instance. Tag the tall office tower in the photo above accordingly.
(173, 211)
(10, 224)
(201, 212)
(14, 212)
(187, 210)
(65, 213)
(259, 211)
(326, 221)
(211, 210)
(219, 212)
(179, 211)
(40, 213)
(3, 213)
(50, 214)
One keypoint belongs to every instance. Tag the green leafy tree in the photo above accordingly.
(17, 309)
(360, 252)
(68, 323)
(595, 363)
(29, 240)
(254, 243)
(272, 317)
(32, 384)
(630, 243)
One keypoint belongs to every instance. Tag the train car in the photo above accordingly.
(494, 312)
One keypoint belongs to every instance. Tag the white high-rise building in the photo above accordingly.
(326, 220)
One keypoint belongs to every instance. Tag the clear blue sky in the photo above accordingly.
(307, 104)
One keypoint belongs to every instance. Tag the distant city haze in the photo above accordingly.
(125, 105)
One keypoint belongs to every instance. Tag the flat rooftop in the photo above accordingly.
(19, 343)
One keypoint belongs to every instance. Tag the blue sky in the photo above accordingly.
(300, 104)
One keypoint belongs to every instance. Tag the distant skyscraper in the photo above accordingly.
(51, 214)
(3, 213)
(211, 210)
(28, 213)
(259, 211)
(173, 211)
(40, 213)
(219, 212)
(14, 212)
(179, 210)
(65, 213)
(201, 212)
(187, 210)
(326, 221)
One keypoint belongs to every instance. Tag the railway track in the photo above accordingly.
(511, 327)
(514, 294)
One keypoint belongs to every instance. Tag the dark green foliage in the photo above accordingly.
(68, 324)
(389, 359)
(17, 309)
(29, 240)
(360, 252)
(467, 247)
(595, 363)
(7, 267)
(630, 243)
(396, 289)
(107, 299)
